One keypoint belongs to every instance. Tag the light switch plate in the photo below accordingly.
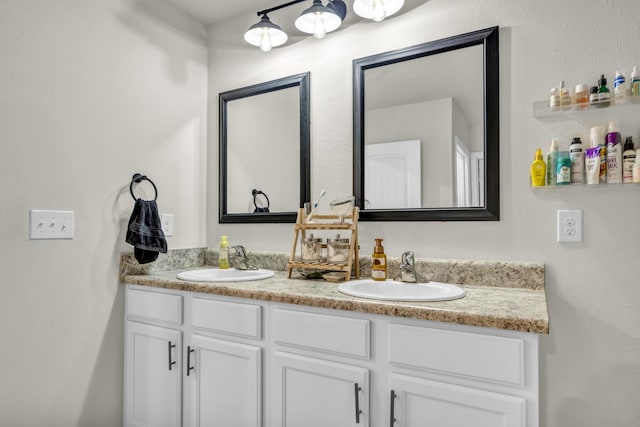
(570, 226)
(47, 224)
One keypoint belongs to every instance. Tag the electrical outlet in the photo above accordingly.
(167, 224)
(45, 224)
(570, 226)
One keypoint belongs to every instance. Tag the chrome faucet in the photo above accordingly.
(238, 258)
(408, 268)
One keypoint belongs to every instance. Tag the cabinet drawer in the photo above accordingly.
(154, 306)
(485, 357)
(330, 334)
(244, 320)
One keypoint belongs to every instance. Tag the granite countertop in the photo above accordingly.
(504, 296)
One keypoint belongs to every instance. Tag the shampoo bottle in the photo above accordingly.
(538, 170)
(614, 154)
(563, 175)
(552, 163)
(378, 262)
(223, 253)
(628, 159)
(635, 82)
(576, 154)
(596, 136)
(636, 168)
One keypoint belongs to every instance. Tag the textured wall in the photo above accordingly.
(92, 91)
(590, 363)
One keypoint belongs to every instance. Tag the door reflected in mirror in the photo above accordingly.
(426, 131)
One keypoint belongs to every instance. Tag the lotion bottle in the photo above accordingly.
(538, 170)
(378, 262)
(223, 253)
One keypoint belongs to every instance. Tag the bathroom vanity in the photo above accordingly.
(287, 352)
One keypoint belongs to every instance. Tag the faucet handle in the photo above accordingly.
(407, 258)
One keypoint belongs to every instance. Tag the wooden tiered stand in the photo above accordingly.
(327, 222)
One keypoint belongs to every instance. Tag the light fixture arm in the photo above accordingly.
(282, 6)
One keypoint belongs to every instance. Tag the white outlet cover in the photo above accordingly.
(48, 224)
(167, 224)
(569, 226)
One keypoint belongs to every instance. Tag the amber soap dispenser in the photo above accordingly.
(378, 262)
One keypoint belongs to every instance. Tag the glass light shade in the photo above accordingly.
(318, 20)
(377, 9)
(265, 34)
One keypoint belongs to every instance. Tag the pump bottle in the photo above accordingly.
(378, 262)
(223, 253)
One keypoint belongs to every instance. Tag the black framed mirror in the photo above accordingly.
(264, 134)
(426, 126)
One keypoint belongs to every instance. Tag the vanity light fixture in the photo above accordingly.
(265, 34)
(376, 9)
(317, 20)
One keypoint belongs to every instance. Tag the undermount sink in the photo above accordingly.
(392, 290)
(224, 275)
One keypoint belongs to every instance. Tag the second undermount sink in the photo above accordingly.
(392, 290)
(224, 275)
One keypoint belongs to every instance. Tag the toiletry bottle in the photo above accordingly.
(552, 163)
(604, 96)
(596, 137)
(619, 87)
(576, 154)
(635, 82)
(582, 96)
(554, 98)
(378, 262)
(538, 170)
(614, 154)
(565, 97)
(636, 168)
(223, 253)
(628, 159)
(563, 173)
(593, 95)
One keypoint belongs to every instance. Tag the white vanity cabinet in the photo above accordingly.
(458, 377)
(317, 367)
(205, 371)
(319, 378)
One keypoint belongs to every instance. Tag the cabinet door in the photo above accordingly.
(224, 383)
(316, 393)
(153, 389)
(422, 402)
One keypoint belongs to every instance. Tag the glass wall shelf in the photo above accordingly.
(616, 186)
(615, 110)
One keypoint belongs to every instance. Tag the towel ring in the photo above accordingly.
(138, 178)
(259, 204)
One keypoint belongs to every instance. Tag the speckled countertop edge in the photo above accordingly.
(502, 295)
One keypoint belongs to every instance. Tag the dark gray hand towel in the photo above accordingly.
(145, 231)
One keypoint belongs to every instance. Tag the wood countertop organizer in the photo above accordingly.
(326, 222)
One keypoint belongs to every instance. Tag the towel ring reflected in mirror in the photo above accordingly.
(137, 179)
(259, 199)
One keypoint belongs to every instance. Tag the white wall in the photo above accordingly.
(590, 362)
(91, 92)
